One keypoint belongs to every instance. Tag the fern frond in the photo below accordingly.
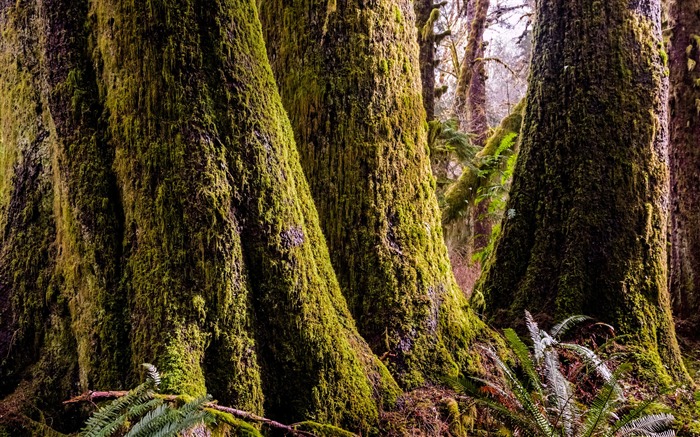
(169, 421)
(152, 374)
(523, 354)
(647, 425)
(564, 326)
(633, 414)
(151, 421)
(192, 420)
(522, 395)
(137, 410)
(109, 418)
(560, 392)
(535, 336)
(602, 408)
(521, 421)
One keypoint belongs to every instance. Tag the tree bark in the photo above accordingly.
(349, 78)
(426, 13)
(153, 209)
(685, 163)
(470, 95)
(585, 227)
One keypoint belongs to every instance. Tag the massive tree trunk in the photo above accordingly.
(685, 161)
(153, 209)
(585, 228)
(349, 78)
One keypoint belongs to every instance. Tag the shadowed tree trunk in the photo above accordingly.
(426, 14)
(685, 161)
(349, 78)
(585, 228)
(153, 209)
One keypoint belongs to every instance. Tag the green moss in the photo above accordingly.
(228, 425)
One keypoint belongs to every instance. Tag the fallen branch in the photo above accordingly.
(91, 396)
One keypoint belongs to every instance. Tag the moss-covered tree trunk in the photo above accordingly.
(470, 95)
(426, 14)
(349, 77)
(153, 209)
(476, 122)
(585, 227)
(685, 161)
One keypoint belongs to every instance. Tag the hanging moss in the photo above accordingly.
(353, 93)
(154, 210)
(585, 231)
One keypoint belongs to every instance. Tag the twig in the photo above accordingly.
(91, 396)
(499, 61)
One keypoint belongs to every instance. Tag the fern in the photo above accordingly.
(563, 327)
(151, 414)
(523, 355)
(544, 402)
(110, 418)
(654, 424)
(602, 408)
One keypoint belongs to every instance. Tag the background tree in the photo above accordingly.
(153, 208)
(427, 13)
(685, 161)
(349, 78)
(470, 96)
(585, 228)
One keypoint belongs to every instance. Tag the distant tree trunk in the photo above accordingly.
(585, 228)
(470, 95)
(477, 123)
(153, 209)
(685, 161)
(349, 77)
(426, 14)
